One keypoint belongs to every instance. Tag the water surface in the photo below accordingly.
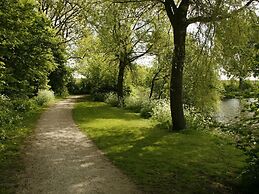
(230, 110)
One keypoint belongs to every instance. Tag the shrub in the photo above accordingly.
(146, 110)
(98, 96)
(7, 114)
(137, 99)
(196, 119)
(44, 97)
(23, 105)
(162, 113)
(11, 114)
(111, 98)
(245, 132)
(133, 103)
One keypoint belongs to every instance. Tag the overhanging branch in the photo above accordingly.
(212, 18)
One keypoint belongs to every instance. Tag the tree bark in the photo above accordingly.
(120, 83)
(152, 88)
(178, 20)
(241, 83)
(176, 84)
(153, 83)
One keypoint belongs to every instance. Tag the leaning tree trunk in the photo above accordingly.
(120, 83)
(153, 83)
(176, 84)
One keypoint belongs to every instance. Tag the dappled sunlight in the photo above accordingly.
(113, 123)
(190, 159)
(60, 159)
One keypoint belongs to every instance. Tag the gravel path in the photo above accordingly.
(60, 159)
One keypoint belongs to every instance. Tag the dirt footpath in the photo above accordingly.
(60, 159)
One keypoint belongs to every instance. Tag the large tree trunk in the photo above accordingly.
(178, 20)
(120, 83)
(176, 84)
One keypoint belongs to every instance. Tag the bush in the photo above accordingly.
(98, 96)
(111, 98)
(133, 103)
(162, 113)
(196, 119)
(137, 99)
(44, 97)
(245, 132)
(8, 115)
(12, 112)
(23, 105)
(147, 109)
(140, 105)
(249, 89)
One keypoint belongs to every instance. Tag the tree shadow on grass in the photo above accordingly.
(135, 146)
(161, 169)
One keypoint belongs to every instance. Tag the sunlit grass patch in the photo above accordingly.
(160, 161)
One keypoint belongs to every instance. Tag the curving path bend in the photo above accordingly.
(60, 159)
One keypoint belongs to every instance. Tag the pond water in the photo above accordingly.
(230, 110)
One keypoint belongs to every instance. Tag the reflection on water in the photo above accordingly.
(230, 110)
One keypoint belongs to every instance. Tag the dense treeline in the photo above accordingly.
(32, 60)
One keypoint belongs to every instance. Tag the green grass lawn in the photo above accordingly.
(10, 157)
(157, 160)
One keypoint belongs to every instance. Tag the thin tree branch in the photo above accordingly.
(211, 18)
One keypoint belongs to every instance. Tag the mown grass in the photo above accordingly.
(157, 160)
(10, 156)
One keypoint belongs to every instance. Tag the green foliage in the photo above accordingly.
(99, 76)
(201, 87)
(2, 74)
(44, 97)
(26, 48)
(231, 89)
(17, 120)
(133, 103)
(77, 86)
(60, 77)
(198, 120)
(250, 89)
(162, 113)
(146, 110)
(12, 135)
(235, 42)
(98, 96)
(138, 96)
(159, 73)
(256, 64)
(191, 161)
(159, 110)
(8, 115)
(12, 110)
(112, 99)
(119, 39)
(24, 105)
(201, 80)
(246, 134)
